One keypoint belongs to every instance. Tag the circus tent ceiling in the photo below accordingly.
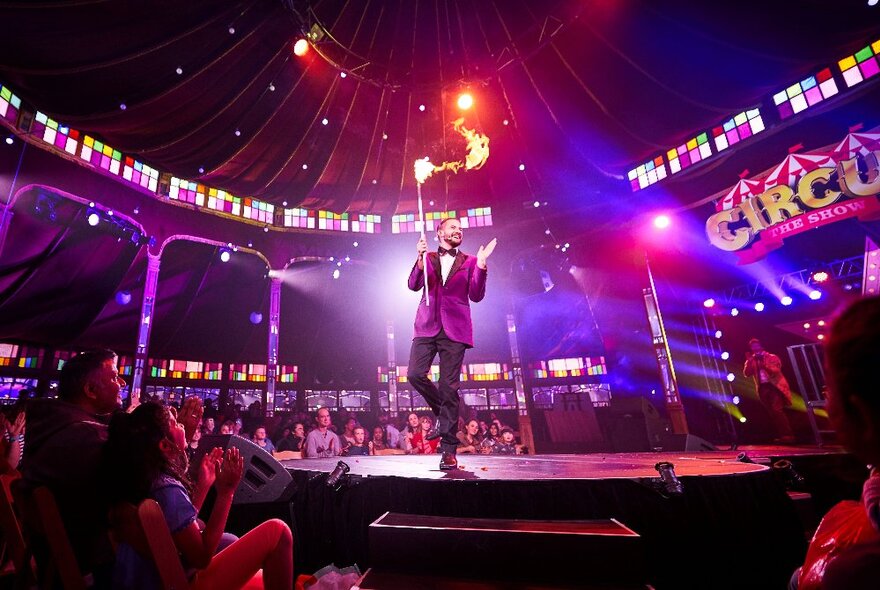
(577, 91)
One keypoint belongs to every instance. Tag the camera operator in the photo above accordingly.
(772, 388)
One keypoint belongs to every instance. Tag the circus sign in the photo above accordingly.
(804, 192)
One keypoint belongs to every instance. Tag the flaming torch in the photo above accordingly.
(478, 153)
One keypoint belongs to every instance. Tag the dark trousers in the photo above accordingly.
(774, 401)
(443, 400)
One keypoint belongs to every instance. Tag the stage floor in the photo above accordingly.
(556, 467)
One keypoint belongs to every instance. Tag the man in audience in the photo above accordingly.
(262, 440)
(392, 434)
(322, 442)
(63, 443)
(853, 355)
(295, 440)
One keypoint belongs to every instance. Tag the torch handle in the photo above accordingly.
(425, 253)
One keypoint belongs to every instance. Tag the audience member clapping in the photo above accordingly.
(322, 442)
(145, 458)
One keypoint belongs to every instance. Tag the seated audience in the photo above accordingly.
(295, 440)
(852, 354)
(208, 426)
(490, 440)
(420, 444)
(360, 446)
(227, 427)
(145, 458)
(322, 442)
(262, 440)
(392, 434)
(348, 433)
(506, 445)
(62, 449)
(12, 437)
(468, 440)
(409, 431)
(377, 443)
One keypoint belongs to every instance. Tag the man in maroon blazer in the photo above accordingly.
(444, 326)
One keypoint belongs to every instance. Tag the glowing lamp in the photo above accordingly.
(93, 219)
(785, 300)
(742, 419)
(465, 101)
(709, 303)
(815, 294)
(256, 317)
(662, 221)
(734, 312)
(759, 306)
(225, 255)
(718, 334)
(731, 377)
(336, 273)
(735, 400)
(820, 276)
(300, 48)
(725, 355)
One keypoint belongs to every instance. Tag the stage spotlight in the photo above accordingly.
(225, 254)
(785, 300)
(94, 219)
(815, 294)
(735, 400)
(668, 479)
(709, 303)
(536, 204)
(422, 108)
(123, 297)
(744, 458)
(355, 244)
(820, 276)
(339, 476)
(718, 334)
(465, 101)
(742, 419)
(731, 377)
(522, 167)
(336, 273)
(820, 337)
(301, 47)
(759, 306)
(256, 317)
(9, 140)
(662, 221)
(785, 471)
(725, 355)
(734, 312)
(820, 323)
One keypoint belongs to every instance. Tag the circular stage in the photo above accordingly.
(532, 467)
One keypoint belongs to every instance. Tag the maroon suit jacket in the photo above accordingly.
(450, 303)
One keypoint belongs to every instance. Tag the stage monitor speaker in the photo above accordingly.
(634, 424)
(686, 442)
(264, 480)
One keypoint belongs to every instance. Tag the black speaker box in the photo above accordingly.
(685, 442)
(633, 424)
(264, 480)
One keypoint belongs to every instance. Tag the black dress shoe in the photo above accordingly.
(434, 432)
(448, 462)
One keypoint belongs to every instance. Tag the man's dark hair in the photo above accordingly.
(76, 372)
(445, 221)
(852, 353)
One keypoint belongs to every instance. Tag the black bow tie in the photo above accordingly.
(441, 251)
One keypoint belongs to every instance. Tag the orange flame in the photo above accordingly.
(478, 153)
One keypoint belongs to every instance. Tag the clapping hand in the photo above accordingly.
(485, 251)
(209, 467)
(231, 470)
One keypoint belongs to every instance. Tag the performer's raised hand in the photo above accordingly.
(485, 251)
(422, 246)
